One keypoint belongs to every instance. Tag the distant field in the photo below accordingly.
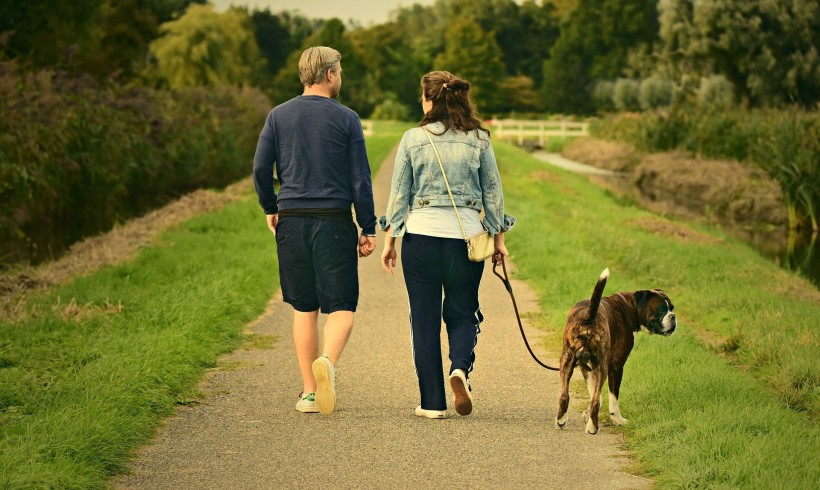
(386, 135)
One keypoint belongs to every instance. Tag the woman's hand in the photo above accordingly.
(389, 253)
(500, 248)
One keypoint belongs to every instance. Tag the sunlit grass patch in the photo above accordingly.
(259, 341)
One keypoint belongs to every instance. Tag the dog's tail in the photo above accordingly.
(597, 294)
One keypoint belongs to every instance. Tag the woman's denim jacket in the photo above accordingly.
(471, 169)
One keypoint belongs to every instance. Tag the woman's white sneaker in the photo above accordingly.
(462, 398)
(430, 414)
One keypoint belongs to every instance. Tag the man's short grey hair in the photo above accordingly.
(315, 62)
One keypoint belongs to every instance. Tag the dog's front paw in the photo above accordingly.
(617, 419)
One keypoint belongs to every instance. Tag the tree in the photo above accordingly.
(562, 7)
(99, 37)
(519, 94)
(120, 39)
(473, 54)
(594, 45)
(44, 30)
(354, 82)
(207, 48)
(393, 66)
(277, 36)
(274, 40)
(767, 49)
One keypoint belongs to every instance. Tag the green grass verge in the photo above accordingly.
(730, 400)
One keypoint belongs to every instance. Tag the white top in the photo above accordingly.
(440, 221)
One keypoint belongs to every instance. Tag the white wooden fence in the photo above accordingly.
(367, 127)
(519, 130)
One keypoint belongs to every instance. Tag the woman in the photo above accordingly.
(434, 252)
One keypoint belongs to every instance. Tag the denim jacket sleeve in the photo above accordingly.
(399, 201)
(495, 221)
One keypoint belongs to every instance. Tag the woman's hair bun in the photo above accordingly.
(458, 84)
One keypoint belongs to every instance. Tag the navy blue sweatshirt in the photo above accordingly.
(318, 147)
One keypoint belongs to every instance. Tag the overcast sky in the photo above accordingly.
(366, 12)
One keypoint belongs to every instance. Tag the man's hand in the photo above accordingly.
(367, 244)
(273, 222)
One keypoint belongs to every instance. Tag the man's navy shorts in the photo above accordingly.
(318, 263)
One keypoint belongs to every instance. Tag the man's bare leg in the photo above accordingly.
(306, 341)
(337, 332)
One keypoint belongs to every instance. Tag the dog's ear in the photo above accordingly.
(641, 297)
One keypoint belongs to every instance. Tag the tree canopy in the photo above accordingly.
(524, 56)
(206, 48)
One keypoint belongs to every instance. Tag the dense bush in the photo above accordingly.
(784, 143)
(603, 95)
(391, 110)
(656, 92)
(76, 157)
(715, 92)
(626, 95)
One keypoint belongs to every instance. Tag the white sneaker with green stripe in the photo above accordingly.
(307, 403)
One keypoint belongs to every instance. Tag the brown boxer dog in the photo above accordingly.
(599, 335)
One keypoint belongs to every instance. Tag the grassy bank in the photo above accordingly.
(86, 376)
(785, 143)
(737, 384)
(89, 369)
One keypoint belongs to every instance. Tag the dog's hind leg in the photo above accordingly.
(615, 375)
(590, 388)
(566, 367)
(588, 379)
(597, 380)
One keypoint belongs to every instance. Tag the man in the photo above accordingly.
(318, 147)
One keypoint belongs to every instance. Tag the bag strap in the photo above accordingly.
(463, 233)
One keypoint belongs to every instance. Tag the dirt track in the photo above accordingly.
(246, 433)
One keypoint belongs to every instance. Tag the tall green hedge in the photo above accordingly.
(786, 143)
(77, 156)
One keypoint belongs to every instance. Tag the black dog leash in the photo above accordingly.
(505, 279)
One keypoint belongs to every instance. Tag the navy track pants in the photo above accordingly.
(431, 264)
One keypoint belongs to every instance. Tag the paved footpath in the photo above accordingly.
(246, 433)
